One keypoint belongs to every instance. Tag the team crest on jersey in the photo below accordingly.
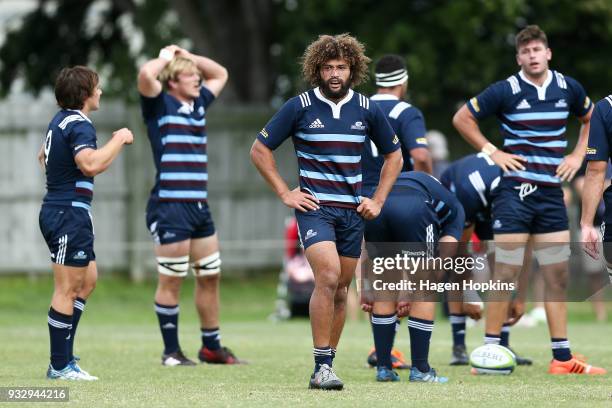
(561, 104)
(201, 111)
(358, 126)
(316, 124)
(523, 105)
(395, 140)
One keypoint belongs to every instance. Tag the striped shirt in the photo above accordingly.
(177, 132)
(328, 138)
(533, 120)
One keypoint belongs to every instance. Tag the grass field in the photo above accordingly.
(119, 341)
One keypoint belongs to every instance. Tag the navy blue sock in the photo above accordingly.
(60, 326)
(420, 336)
(211, 339)
(504, 339)
(77, 311)
(322, 355)
(491, 338)
(561, 349)
(168, 324)
(383, 328)
(457, 322)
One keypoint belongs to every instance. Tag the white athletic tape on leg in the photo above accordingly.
(176, 266)
(207, 266)
(510, 256)
(553, 254)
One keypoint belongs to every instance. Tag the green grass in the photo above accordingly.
(119, 341)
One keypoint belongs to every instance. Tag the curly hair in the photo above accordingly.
(328, 47)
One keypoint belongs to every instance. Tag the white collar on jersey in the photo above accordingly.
(335, 107)
(384, 97)
(541, 89)
(80, 113)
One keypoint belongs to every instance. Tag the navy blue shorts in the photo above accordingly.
(170, 222)
(69, 234)
(344, 226)
(518, 208)
(407, 216)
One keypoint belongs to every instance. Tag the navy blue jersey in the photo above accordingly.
(533, 120)
(472, 179)
(448, 209)
(600, 133)
(328, 140)
(177, 132)
(409, 125)
(69, 132)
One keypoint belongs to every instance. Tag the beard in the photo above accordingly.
(339, 94)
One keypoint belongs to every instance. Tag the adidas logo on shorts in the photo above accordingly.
(317, 124)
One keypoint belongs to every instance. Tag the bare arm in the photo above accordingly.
(388, 174)
(370, 208)
(572, 162)
(422, 159)
(214, 74)
(591, 195)
(467, 125)
(94, 161)
(263, 159)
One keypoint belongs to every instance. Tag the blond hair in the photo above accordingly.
(174, 68)
(328, 47)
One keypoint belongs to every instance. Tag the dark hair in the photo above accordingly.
(328, 47)
(389, 63)
(74, 85)
(528, 34)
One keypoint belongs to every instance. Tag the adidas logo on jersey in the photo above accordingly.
(523, 105)
(561, 104)
(317, 124)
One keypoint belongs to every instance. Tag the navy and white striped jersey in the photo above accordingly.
(177, 132)
(328, 138)
(471, 179)
(448, 209)
(69, 132)
(409, 125)
(533, 120)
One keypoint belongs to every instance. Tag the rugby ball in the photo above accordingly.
(492, 359)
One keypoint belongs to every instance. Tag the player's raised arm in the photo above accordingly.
(148, 84)
(467, 125)
(213, 74)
